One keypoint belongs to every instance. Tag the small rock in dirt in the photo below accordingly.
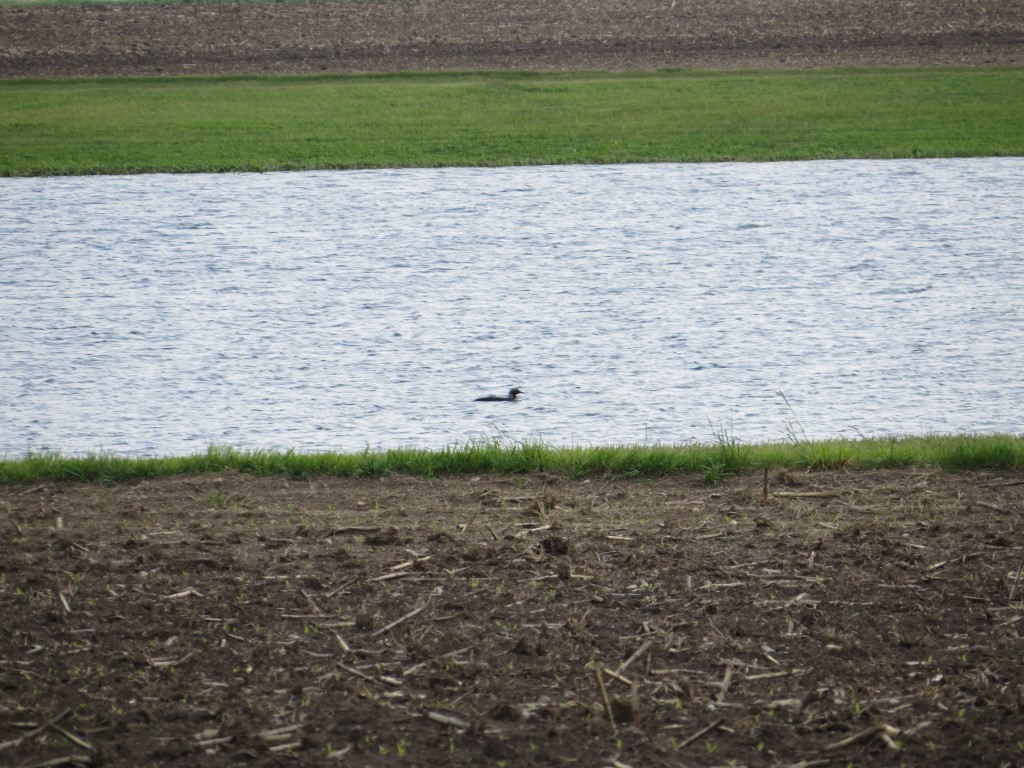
(506, 712)
(497, 749)
(530, 646)
(556, 545)
(383, 538)
(623, 710)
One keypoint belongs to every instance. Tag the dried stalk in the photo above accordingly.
(703, 731)
(809, 494)
(66, 760)
(726, 682)
(74, 739)
(340, 587)
(345, 647)
(867, 733)
(396, 622)
(962, 559)
(636, 655)
(613, 674)
(445, 719)
(313, 606)
(285, 747)
(280, 734)
(1016, 581)
(604, 698)
(36, 731)
(184, 593)
(990, 507)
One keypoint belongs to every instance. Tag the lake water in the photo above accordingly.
(155, 315)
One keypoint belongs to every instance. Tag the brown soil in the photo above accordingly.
(66, 41)
(855, 618)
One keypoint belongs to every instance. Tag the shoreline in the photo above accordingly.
(713, 462)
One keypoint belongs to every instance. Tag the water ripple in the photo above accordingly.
(643, 303)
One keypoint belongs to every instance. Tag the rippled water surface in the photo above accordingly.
(633, 304)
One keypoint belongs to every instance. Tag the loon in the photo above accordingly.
(512, 395)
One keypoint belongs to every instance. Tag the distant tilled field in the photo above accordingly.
(424, 35)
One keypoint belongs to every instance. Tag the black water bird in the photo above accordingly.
(512, 395)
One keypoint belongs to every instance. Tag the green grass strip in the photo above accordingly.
(713, 461)
(135, 125)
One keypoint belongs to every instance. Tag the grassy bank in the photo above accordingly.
(726, 456)
(422, 120)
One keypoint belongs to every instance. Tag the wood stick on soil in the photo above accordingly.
(726, 682)
(617, 676)
(765, 498)
(340, 587)
(36, 731)
(990, 507)
(962, 559)
(283, 733)
(809, 494)
(1016, 581)
(315, 608)
(889, 742)
(356, 672)
(163, 663)
(203, 743)
(445, 719)
(536, 529)
(867, 733)
(702, 732)
(74, 739)
(285, 747)
(604, 697)
(636, 655)
(773, 675)
(184, 593)
(65, 760)
(356, 529)
(396, 622)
